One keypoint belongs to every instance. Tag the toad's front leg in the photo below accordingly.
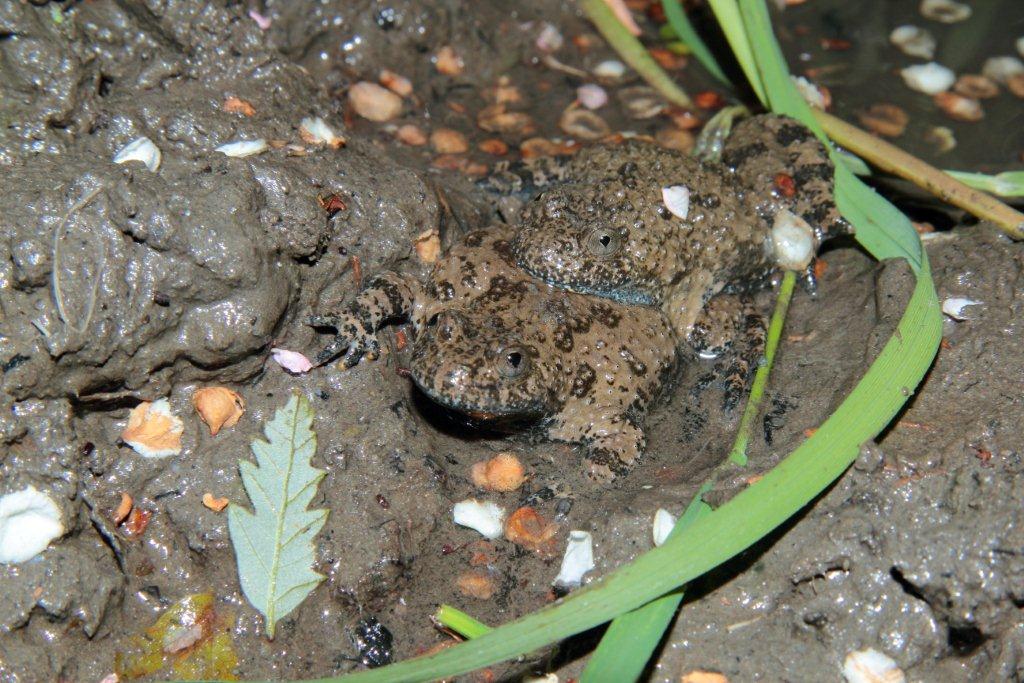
(614, 444)
(388, 297)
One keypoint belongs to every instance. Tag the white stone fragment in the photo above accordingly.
(592, 96)
(29, 520)
(914, 41)
(792, 241)
(243, 148)
(810, 92)
(292, 361)
(945, 11)
(550, 39)
(930, 78)
(663, 523)
(871, 666)
(677, 200)
(319, 132)
(578, 559)
(1003, 68)
(140, 149)
(611, 69)
(486, 517)
(954, 307)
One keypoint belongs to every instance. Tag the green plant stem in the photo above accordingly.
(633, 52)
(892, 159)
(738, 455)
(460, 622)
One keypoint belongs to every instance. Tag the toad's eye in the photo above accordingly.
(513, 362)
(601, 242)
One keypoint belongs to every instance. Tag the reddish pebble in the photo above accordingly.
(785, 184)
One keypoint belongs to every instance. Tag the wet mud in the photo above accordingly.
(120, 285)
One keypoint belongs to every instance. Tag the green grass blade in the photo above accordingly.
(631, 639)
(1006, 184)
(460, 622)
(729, 530)
(727, 12)
(682, 27)
(633, 52)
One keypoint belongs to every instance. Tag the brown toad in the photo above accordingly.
(494, 342)
(605, 226)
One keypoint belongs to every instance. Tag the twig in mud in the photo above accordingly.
(892, 159)
(58, 232)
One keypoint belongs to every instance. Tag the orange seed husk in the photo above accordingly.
(219, 407)
(504, 472)
(215, 504)
(123, 508)
(428, 245)
(236, 105)
(152, 430)
(528, 528)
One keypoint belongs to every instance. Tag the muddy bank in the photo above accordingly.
(119, 285)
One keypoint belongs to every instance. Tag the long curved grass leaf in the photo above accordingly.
(682, 27)
(274, 543)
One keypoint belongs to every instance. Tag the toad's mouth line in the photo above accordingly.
(623, 296)
(480, 410)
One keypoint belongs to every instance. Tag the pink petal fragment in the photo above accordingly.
(292, 361)
(261, 21)
(622, 13)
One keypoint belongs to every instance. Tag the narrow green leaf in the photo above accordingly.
(631, 639)
(682, 27)
(274, 543)
(1006, 184)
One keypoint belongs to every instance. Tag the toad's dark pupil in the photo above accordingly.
(605, 240)
(514, 359)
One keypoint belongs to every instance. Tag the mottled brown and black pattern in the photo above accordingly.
(511, 345)
(606, 230)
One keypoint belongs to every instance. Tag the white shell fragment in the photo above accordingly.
(1020, 46)
(677, 200)
(578, 559)
(930, 78)
(811, 93)
(611, 69)
(243, 148)
(945, 11)
(292, 361)
(487, 518)
(140, 149)
(550, 39)
(664, 521)
(792, 241)
(319, 132)
(592, 96)
(1002, 69)
(29, 520)
(871, 666)
(914, 41)
(954, 307)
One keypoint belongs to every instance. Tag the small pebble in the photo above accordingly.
(374, 102)
(959, 107)
(583, 124)
(476, 584)
(930, 78)
(591, 96)
(611, 69)
(884, 119)
(978, 87)
(411, 135)
(549, 39)
(674, 138)
(448, 141)
(448, 61)
(1000, 69)
(945, 11)
(914, 41)
(400, 85)
(871, 666)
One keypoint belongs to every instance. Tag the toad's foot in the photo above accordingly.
(731, 329)
(388, 297)
(614, 453)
